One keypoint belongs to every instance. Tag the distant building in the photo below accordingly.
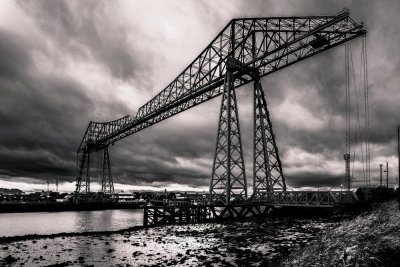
(7, 191)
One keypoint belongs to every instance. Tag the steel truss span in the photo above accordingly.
(249, 48)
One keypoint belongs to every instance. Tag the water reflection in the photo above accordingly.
(15, 224)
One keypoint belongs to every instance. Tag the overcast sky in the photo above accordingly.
(66, 63)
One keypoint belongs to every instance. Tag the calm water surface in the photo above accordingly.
(16, 224)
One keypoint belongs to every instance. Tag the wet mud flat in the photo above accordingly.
(252, 243)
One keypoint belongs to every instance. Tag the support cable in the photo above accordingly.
(357, 135)
(347, 131)
(364, 61)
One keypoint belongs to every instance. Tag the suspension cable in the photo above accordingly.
(364, 61)
(347, 176)
(347, 78)
(357, 135)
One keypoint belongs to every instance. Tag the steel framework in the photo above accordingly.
(83, 180)
(172, 212)
(310, 198)
(228, 179)
(267, 167)
(256, 47)
(107, 183)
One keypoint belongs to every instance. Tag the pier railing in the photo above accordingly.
(158, 212)
(307, 198)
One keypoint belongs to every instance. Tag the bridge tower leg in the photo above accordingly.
(83, 180)
(228, 178)
(107, 184)
(267, 167)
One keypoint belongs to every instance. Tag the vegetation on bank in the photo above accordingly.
(370, 239)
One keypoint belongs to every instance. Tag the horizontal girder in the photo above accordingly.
(252, 47)
(308, 198)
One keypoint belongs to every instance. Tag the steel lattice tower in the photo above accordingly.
(83, 181)
(228, 178)
(267, 167)
(107, 184)
(244, 51)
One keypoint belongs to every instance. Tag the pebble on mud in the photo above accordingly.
(10, 259)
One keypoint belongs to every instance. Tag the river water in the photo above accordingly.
(45, 223)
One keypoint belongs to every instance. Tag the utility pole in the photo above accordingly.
(56, 185)
(398, 164)
(347, 171)
(387, 174)
(380, 170)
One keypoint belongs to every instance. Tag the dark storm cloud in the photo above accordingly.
(89, 29)
(195, 141)
(40, 115)
(44, 116)
(151, 169)
(318, 88)
(152, 155)
(15, 59)
(315, 180)
(318, 83)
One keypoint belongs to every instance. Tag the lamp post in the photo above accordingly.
(341, 197)
(387, 174)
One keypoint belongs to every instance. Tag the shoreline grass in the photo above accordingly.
(370, 239)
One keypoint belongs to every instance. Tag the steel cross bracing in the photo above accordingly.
(83, 180)
(267, 168)
(309, 198)
(107, 183)
(251, 48)
(228, 179)
(172, 212)
(265, 45)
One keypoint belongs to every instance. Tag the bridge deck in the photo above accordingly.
(172, 211)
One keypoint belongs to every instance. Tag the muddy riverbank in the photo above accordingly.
(369, 239)
(256, 242)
